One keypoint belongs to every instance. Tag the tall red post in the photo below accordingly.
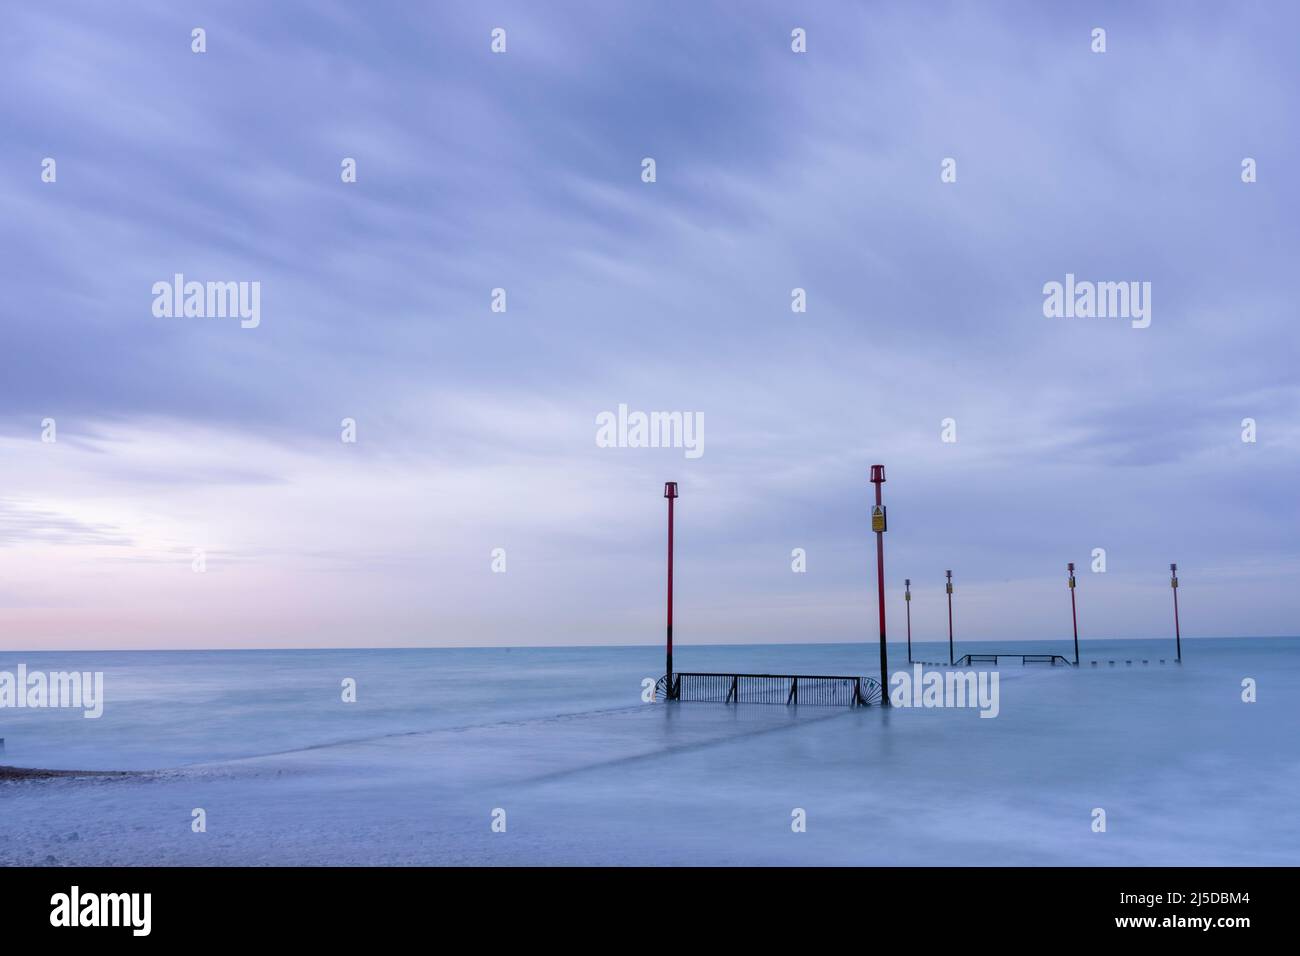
(907, 603)
(950, 656)
(1075, 615)
(878, 525)
(1173, 583)
(670, 492)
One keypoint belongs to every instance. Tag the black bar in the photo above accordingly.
(328, 906)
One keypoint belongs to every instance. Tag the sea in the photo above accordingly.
(553, 756)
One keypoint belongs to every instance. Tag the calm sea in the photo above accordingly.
(558, 742)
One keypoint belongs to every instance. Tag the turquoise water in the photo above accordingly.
(559, 738)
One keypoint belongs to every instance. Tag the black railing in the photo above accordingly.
(1051, 659)
(814, 690)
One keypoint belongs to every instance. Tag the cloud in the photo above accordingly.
(521, 172)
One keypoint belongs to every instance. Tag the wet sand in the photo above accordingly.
(36, 773)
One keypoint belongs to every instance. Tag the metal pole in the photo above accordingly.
(950, 657)
(670, 492)
(1178, 637)
(1075, 615)
(878, 524)
(907, 602)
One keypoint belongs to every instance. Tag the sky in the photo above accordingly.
(191, 442)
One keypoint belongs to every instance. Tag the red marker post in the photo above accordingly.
(1173, 583)
(878, 525)
(907, 603)
(670, 492)
(1075, 615)
(950, 657)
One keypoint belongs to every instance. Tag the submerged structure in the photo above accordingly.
(850, 690)
(997, 657)
(807, 689)
(791, 689)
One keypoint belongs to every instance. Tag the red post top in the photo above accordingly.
(670, 489)
(877, 474)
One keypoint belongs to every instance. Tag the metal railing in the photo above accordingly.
(1051, 659)
(814, 690)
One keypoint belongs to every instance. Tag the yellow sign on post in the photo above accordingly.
(878, 518)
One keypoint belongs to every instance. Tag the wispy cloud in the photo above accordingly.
(522, 172)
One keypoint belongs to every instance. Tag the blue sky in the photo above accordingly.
(522, 171)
